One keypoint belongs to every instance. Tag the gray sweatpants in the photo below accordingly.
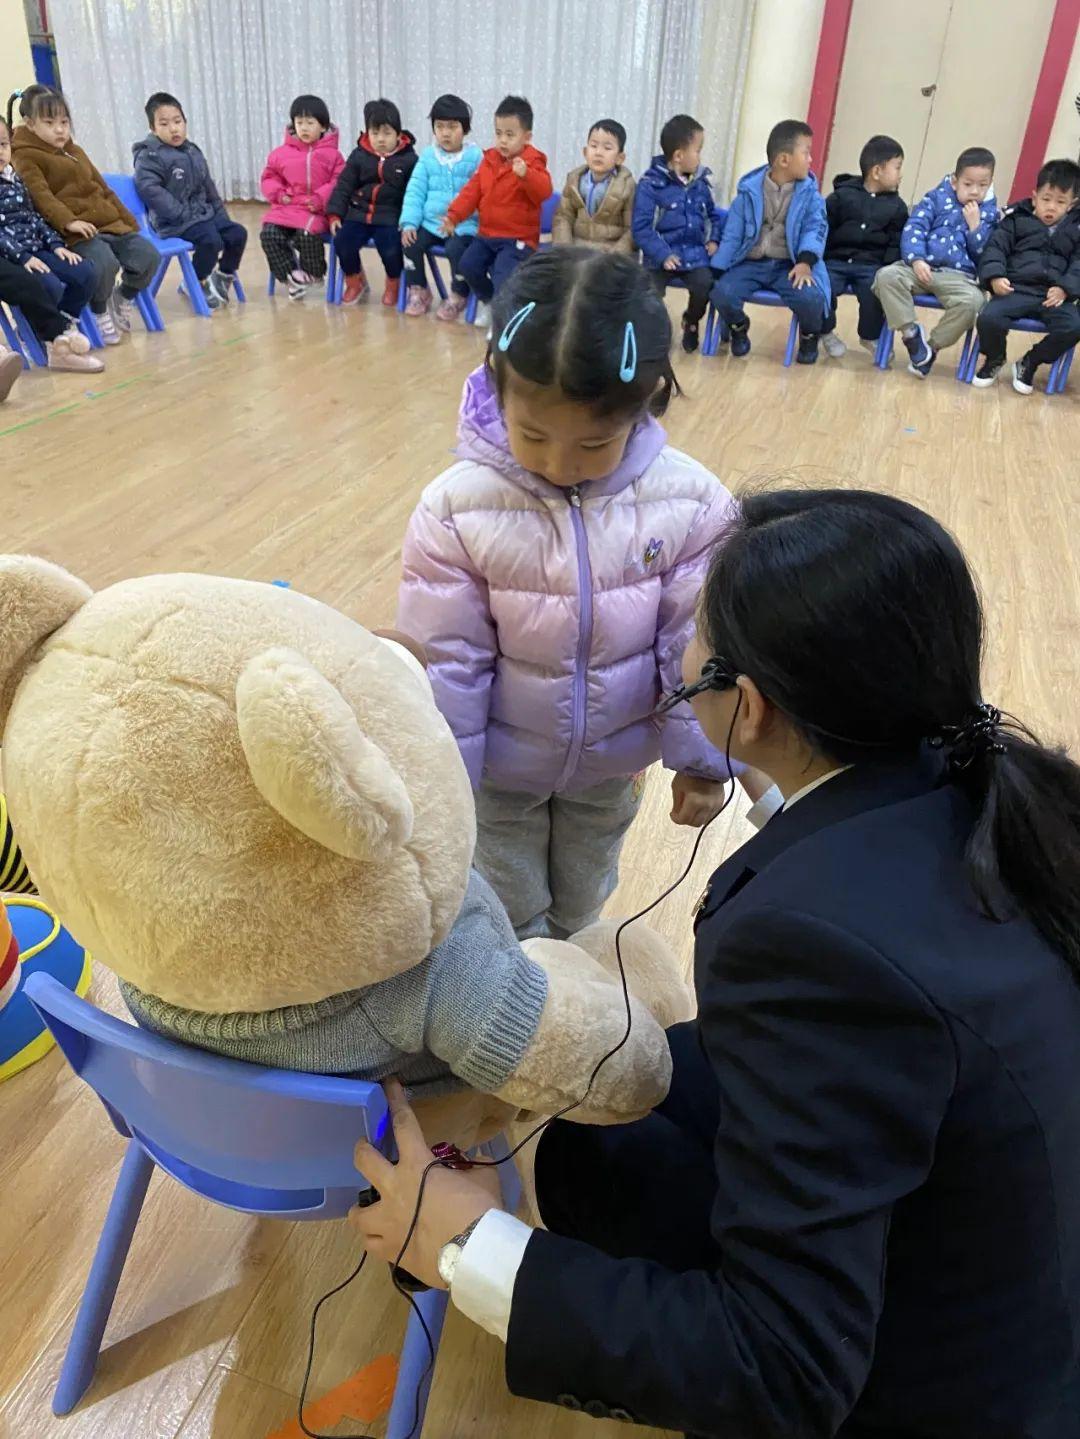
(961, 299)
(553, 859)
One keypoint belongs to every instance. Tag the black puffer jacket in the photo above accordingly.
(1024, 250)
(371, 187)
(864, 229)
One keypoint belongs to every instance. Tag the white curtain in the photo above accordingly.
(235, 65)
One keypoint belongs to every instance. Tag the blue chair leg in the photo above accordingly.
(402, 294)
(962, 367)
(31, 345)
(271, 284)
(470, 309)
(85, 1343)
(11, 336)
(147, 306)
(156, 286)
(416, 1367)
(238, 290)
(89, 326)
(334, 286)
(192, 287)
(792, 341)
(884, 348)
(436, 275)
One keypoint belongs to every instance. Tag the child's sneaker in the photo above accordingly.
(107, 329)
(452, 308)
(356, 289)
(219, 282)
(1024, 375)
(391, 291)
(808, 350)
(62, 357)
(302, 277)
(919, 351)
(834, 346)
(740, 339)
(78, 342)
(11, 368)
(988, 372)
(483, 316)
(120, 310)
(297, 291)
(690, 339)
(419, 300)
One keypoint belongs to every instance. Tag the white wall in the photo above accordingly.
(780, 72)
(16, 66)
(1064, 140)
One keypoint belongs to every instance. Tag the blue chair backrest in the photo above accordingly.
(547, 212)
(123, 187)
(242, 1123)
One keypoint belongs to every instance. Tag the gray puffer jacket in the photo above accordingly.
(175, 185)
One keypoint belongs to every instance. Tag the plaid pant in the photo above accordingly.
(287, 250)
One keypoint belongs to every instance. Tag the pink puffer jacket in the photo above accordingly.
(555, 618)
(307, 174)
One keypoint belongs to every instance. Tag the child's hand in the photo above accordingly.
(800, 276)
(923, 272)
(519, 167)
(695, 801)
(711, 247)
(36, 266)
(63, 253)
(1001, 286)
(672, 262)
(408, 236)
(83, 229)
(285, 198)
(1055, 296)
(447, 226)
(972, 214)
(335, 223)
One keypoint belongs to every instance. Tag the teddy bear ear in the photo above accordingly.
(36, 598)
(312, 762)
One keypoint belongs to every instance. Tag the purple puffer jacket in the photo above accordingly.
(554, 618)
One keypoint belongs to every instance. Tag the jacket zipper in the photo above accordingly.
(580, 694)
(307, 162)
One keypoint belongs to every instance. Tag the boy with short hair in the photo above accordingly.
(1031, 264)
(774, 239)
(597, 204)
(367, 199)
(508, 189)
(175, 184)
(866, 218)
(676, 224)
(939, 251)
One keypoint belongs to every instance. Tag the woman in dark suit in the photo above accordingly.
(858, 1212)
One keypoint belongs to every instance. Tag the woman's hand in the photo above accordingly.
(453, 1198)
(36, 266)
(83, 229)
(63, 253)
(696, 801)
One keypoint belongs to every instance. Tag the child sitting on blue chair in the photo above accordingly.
(774, 239)
(175, 184)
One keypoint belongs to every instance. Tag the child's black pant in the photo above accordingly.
(354, 235)
(859, 278)
(488, 261)
(285, 248)
(416, 259)
(217, 242)
(49, 303)
(995, 317)
(696, 282)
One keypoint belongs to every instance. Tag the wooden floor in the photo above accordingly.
(291, 441)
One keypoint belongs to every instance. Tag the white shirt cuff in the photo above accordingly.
(483, 1287)
(770, 803)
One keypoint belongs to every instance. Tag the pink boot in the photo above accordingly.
(452, 308)
(63, 357)
(419, 300)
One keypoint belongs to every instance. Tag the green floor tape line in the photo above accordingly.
(40, 419)
(112, 389)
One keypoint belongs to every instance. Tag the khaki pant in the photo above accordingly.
(896, 285)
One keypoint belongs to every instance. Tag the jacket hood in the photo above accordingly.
(750, 180)
(1025, 207)
(842, 181)
(328, 140)
(406, 141)
(446, 157)
(660, 169)
(23, 138)
(482, 437)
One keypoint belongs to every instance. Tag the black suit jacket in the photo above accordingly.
(897, 1157)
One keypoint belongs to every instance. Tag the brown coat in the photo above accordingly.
(609, 228)
(65, 186)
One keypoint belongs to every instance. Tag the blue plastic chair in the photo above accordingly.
(20, 337)
(716, 331)
(547, 218)
(174, 249)
(1059, 370)
(886, 342)
(334, 283)
(263, 1141)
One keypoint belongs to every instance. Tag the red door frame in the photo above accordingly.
(832, 42)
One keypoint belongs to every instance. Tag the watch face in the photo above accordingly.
(449, 1255)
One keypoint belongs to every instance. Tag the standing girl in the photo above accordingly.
(68, 191)
(552, 574)
(298, 179)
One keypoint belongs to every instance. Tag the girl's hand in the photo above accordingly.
(83, 229)
(335, 223)
(695, 801)
(63, 253)
(36, 266)
(408, 236)
(285, 198)
(453, 1198)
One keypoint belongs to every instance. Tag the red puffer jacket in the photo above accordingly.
(509, 205)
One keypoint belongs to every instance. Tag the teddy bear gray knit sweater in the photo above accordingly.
(462, 1018)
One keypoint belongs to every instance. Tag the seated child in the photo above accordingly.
(366, 202)
(70, 194)
(442, 172)
(866, 218)
(49, 283)
(774, 239)
(597, 205)
(676, 225)
(507, 192)
(1031, 265)
(939, 251)
(298, 179)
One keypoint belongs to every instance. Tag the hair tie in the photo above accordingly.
(628, 363)
(514, 324)
(978, 735)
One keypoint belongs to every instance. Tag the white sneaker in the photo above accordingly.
(120, 310)
(78, 342)
(483, 317)
(833, 346)
(109, 333)
(62, 357)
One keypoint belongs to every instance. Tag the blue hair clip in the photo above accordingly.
(514, 324)
(628, 363)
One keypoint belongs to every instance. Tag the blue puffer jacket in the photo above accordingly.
(937, 232)
(23, 233)
(806, 227)
(175, 185)
(673, 218)
(435, 183)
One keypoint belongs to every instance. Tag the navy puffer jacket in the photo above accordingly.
(23, 233)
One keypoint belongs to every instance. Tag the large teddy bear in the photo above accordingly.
(248, 806)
